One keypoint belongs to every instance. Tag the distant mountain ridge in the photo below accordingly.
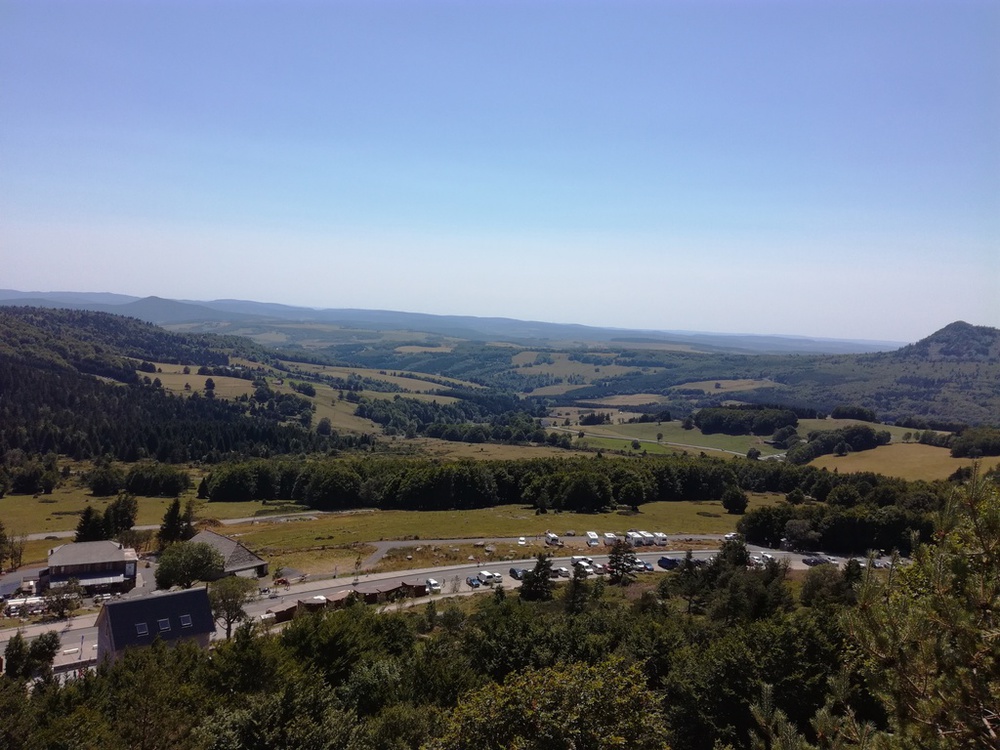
(530, 333)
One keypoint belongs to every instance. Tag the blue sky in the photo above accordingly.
(816, 168)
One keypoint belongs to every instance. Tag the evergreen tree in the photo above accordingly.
(620, 563)
(537, 584)
(90, 528)
(172, 528)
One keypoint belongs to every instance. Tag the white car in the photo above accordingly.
(521, 541)
(433, 587)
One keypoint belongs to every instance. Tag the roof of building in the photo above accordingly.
(169, 616)
(236, 556)
(88, 553)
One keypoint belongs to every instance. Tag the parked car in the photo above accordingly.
(810, 561)
(668, 563)
(433, 587)
(473, 582)
(517, 573)
(522, 541)
(561, 572)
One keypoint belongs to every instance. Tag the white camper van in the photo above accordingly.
(592, 539)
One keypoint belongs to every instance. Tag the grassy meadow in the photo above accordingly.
(306, 544)
(911, 461)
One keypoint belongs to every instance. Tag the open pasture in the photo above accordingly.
(673, 432)
(173, 379)
(400, 378)
(910, 461)
(727, 386)
(505, 521)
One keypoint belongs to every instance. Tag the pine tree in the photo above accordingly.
(172, 528)
(91, 526)
(537, 583)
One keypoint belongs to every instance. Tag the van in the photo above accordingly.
(551, 538)
(578, 559)
(433, 587)
(487, 578)
(592, 539)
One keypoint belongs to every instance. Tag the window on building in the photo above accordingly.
(141, 628)
(164, 624)
(185, 621)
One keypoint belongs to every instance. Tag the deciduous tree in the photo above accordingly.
(184, 563)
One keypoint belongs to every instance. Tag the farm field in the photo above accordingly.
(400, 378)
(173, 379)
(911, 461)
(727, 386)
(673, 432)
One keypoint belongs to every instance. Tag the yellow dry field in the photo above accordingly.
(633, 399)
(728, 386)
(488, 451)
(910, 461)
(400, 378)
(173, 379)
(415, 349)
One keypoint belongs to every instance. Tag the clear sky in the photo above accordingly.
(815, 168)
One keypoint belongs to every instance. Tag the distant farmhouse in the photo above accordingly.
(178, 616)
(99, 567)
(238, 560)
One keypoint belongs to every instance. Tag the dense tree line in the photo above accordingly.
(883, 511)
(475, 417)
(968, 442)
(744, 420)
(718, 655)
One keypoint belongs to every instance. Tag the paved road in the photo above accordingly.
(78, 636)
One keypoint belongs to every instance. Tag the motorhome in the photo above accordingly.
(610, 538)
(552, 538)
(634, 538)
(660, 538)
(648, 540)
(592, 539)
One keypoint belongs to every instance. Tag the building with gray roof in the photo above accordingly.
(238, 560)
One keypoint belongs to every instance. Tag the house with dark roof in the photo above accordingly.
(98, 566)
(238, 560)
(171, 617)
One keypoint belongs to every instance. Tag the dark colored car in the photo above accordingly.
(473, 582)
(517, 573)
(668, 563)
(810, 561)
